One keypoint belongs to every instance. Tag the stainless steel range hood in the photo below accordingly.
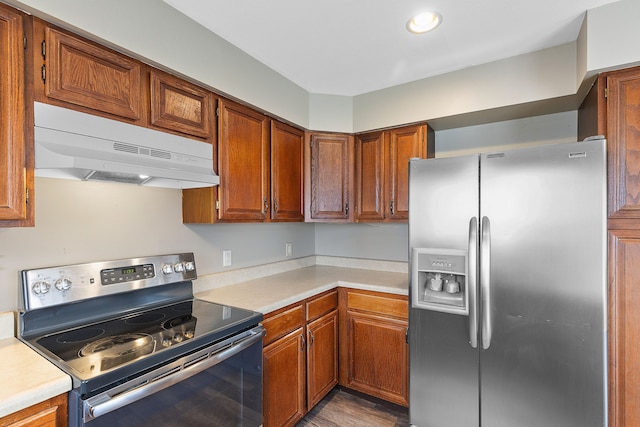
(74, 145)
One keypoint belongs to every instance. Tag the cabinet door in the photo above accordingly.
(322, 357)
(624, 328)
(370, 154)
(15, 172)
(623, 138)
(287, 172)
(378, 357)
(329, 178)
(284, 380)
(404, 143)
(50, 413)
(91, 76)
(180, 106)
(243, 156)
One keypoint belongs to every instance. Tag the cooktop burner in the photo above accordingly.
(94, 349)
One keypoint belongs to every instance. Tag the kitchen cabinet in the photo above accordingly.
(382, 170)
(244, 163)
(612, 108)
(322, 346)
(300, 358)
(284, 369)
(79, 74)
(329, 177)
(287, 172)
(16, 122)
(50, 413)
(179, 106)
(374, 354)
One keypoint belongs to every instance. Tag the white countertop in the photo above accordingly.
(279, 290)
(27, 378)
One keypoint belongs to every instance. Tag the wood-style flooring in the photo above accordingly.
(341, 408)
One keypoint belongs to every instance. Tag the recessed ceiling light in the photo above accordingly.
(424, 22)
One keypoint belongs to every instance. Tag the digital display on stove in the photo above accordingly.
(111, 276)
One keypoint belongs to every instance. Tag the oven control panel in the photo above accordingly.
(45, 287)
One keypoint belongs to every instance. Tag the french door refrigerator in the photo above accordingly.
(507, 319)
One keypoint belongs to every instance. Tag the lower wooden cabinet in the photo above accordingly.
(374, 354)
(300, 358)
(283, 381)
(50, 413)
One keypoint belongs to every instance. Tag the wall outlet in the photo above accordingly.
(226, 258)
(288, 249)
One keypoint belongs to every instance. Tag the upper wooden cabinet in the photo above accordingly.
(287, 177)
(382, 171)
(16, 123)
(87, 75)
(179, 106)
(328, 177)
(244, 163)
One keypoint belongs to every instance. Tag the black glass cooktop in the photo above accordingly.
(92, 350)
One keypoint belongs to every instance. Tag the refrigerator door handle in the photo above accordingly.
(485, 280)
(472, 274)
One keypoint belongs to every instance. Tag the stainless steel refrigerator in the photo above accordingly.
(507, 319)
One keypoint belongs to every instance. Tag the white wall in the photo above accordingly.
(80, 222)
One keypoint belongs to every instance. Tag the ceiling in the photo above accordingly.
(350, 47)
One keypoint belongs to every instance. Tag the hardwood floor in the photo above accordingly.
(341, 408)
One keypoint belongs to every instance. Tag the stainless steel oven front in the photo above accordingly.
(219, 385)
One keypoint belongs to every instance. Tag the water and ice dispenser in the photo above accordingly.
(439, 280)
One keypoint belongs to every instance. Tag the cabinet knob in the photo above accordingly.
(266, 205)
(346, 209)
(392, 208)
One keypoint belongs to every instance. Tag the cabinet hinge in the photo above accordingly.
(24, 41)
(218, 205)
(217, 111)
(43, 49)
(43, 72)
(26, 195)
(606, 92)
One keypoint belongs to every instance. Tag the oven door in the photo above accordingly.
(218, 386)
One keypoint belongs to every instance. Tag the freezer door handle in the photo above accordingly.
(485, 281)
(472, 285)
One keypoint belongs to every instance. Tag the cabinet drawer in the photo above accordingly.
(322, 304)
(280, 323)
(380, 304)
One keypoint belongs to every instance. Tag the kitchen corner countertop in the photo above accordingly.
(273, 292)
(27, 377)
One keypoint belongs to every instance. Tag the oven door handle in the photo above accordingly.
(106, 403)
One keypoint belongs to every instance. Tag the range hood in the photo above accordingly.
(74, 145)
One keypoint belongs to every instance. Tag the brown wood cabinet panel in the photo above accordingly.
(370, 154)
(244, 163)
(284, 380)
(378, 357)
(16, 126)
(287, 172)
(50, 413)
(624, 328)
(180, 106)
(328, 177)
(374, 302)
(405, 143)
(623, 124)
(322, 357)
(91, 76)
(382, 170)
(281, 322)
(322, 304)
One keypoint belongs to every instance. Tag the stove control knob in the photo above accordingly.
(41, 287)
(167, 269)
(166, 342)
(179, 267)
(189, 266)
(63, 284)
